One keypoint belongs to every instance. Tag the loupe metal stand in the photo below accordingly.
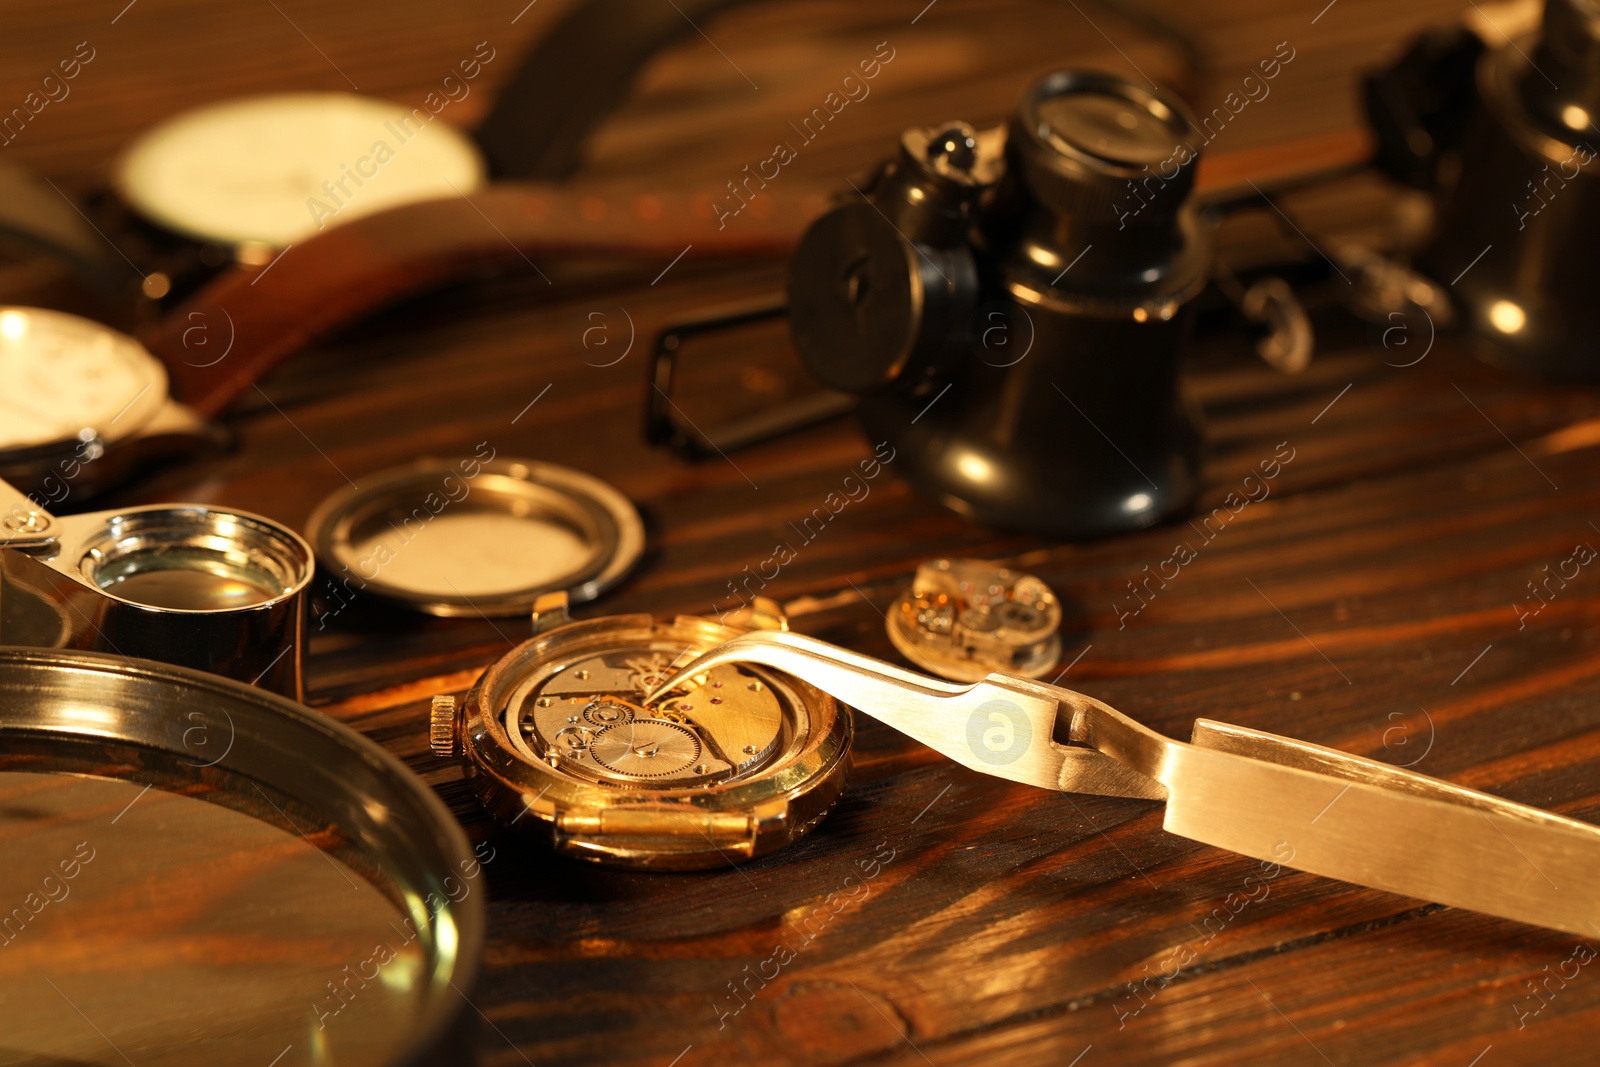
(662, 422)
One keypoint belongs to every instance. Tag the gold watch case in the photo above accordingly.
(555, 737)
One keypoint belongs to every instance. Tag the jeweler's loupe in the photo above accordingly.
(217, 589)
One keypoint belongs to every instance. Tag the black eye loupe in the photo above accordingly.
(1012, 305)
(1519, 205)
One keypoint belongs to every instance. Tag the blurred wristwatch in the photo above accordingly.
(240, 208)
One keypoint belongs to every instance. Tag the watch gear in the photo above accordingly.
(604, 713)
(646, 748)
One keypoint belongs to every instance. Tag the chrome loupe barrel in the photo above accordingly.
(212, 588)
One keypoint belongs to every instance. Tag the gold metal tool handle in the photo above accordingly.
(1362, 821)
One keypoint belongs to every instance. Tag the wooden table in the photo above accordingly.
(1370, 603)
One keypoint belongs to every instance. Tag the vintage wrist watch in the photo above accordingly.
(556, 737)
(255, 174)
(79, 402)
(240, 179)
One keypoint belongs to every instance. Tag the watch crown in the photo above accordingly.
(442, 727)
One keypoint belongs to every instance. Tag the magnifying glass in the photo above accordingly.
(195, 864)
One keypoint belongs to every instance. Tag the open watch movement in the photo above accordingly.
(557, 736)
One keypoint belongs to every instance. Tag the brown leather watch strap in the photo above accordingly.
(36, 214)
(241, 324)
(574, 77)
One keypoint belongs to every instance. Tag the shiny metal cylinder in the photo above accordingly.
(216, 589)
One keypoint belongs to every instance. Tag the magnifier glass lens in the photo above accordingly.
(187, 581)
(1111, 127)
(192, 558)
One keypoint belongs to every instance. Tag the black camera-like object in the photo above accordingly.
(1011, 305)
(1506, 138)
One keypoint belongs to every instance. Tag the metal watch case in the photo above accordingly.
(555, 737)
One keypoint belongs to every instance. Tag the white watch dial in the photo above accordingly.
(61, 375)
(280, 168)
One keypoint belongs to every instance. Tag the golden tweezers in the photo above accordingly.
(1255, 793)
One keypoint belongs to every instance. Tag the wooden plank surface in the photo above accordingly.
(1368, 603)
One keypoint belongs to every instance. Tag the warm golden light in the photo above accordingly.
(13, 325)
(975, 467)
(1506, 316)
(1575, 117)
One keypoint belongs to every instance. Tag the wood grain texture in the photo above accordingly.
(1368, 603)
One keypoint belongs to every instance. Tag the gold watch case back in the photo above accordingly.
(736, 763)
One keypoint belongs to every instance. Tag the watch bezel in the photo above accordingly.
(601, 515)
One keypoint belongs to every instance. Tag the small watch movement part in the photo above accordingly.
(964, 618)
